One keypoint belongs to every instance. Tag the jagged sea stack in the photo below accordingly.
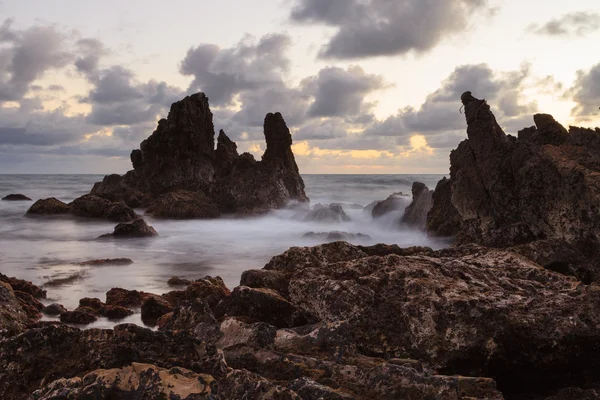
(540, 190)
(179, 160)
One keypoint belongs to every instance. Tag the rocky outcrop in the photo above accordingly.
(91, 206)
(415, 213)
(395, 202)
(183, 205)
(327, 213)
(179, 162)
(13, 318)
(16, 197)
(137, 381)
(443, 219)
(130, 230)
(543, 185)
(49, 206)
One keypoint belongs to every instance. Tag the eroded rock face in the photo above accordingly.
(137, 381)
(469, 311)
(416, 212)
(395, 202)
(543, 185)
(443, 219)
(179, 161)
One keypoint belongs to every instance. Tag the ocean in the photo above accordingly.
(45, 249)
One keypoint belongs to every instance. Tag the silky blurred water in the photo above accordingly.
(40, 249)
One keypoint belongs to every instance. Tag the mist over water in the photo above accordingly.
(41, 249)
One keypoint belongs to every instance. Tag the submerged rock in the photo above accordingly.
(136, 229)
(49, 206)
(16, 197)
(54, 309)
(179, 162)
(328, 213)
(336, 235)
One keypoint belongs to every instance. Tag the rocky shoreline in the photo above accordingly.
(511, 311)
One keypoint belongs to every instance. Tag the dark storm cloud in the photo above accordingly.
(26, 55)
(370, 28)
(341, 93)
(586, 93)
(574, 24)
(90, 51)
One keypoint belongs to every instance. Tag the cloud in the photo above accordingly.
(371, 28)
(90, 51)
(26, 55)
(574, 24)
(585, 92)
(341, 93)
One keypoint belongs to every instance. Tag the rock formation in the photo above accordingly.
(395, 202)
(543, 185)
(415, 213)
(87, 206)
(128, 230)
(328, 213)
(16, 197)
(179, 161)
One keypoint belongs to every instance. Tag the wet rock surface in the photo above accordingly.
(179, 174)
(395, 202)
(91, 206)
(335, 236)
(327, 213)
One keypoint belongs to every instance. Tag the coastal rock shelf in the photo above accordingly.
(179, 174)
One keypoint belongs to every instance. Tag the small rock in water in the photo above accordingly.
(136, 229)
(16, 197)
(394, 202)
(107, 261)
(336, 235)
(54, 309)
(116, 312)
(51, 206)
(331, 213)
(79, 317)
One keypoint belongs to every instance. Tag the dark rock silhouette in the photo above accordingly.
(16, 197)
(415, 213)
(91, 206)
(394, 202)
(543, 185)
(136, 229)
(443, 219)
(51, 206)
(179, 157)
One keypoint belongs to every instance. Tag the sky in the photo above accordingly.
(366, 86)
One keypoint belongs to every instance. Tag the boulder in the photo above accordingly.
(183, 205)
(54, 309)
(16, 197)
(91, 206)
(329, 213)
(49, 206)
(24, 286)
(136, 229)
(178, 163)
(468, 310)
(395, 202)
(80, 316)
(115, 313)
(13, 318)
(153, 308)
(125, 298)
(543, 185)
(137, 381)
(416, 213)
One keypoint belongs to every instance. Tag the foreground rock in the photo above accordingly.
(469, 311)
(138, 381)
(16, 197)
(13, 318)
(49, 206)
(543, 185)
(136, 229)
(178, 164)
